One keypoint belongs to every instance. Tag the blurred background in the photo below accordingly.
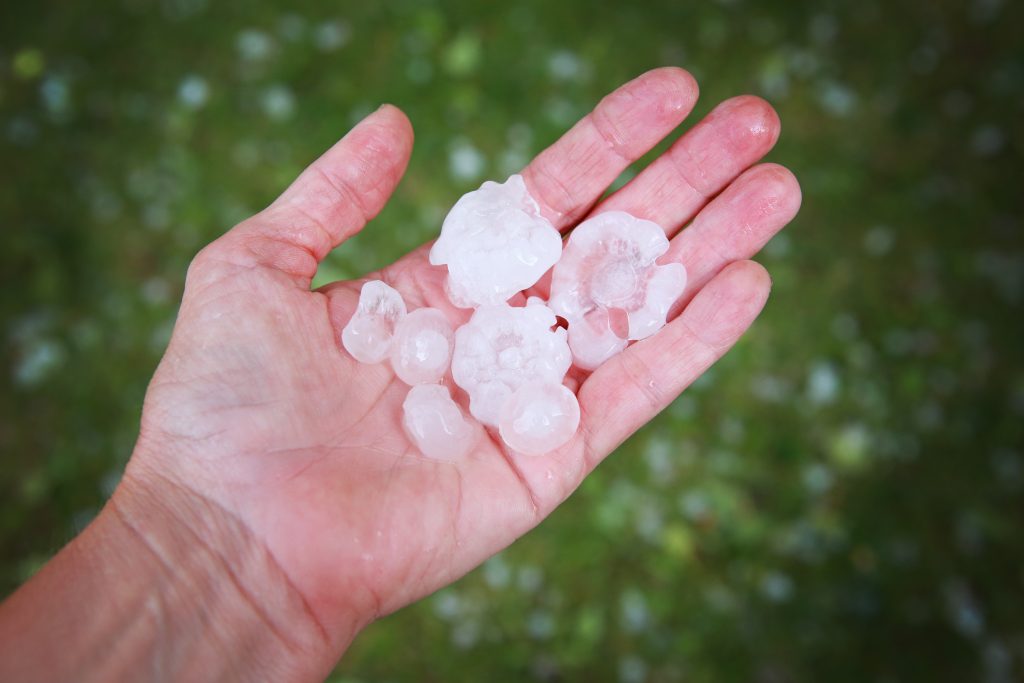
(841, 498)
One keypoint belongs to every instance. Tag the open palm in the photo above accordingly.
(257, 411)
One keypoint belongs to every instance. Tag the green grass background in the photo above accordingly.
(841, 499)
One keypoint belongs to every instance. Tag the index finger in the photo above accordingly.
(568, 177)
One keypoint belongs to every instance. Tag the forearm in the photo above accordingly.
(142, 594)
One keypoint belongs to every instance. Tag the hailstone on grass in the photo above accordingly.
(367, 336)
(502, 348)
(609, 286)
(495, 243)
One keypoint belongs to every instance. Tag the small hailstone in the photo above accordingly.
(367, 336)
(495, 243)
(436, 424)
(539, 417)
(607, 273)
(501, 348)
(421, 349)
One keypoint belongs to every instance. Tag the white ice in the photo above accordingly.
(495, 243)
(609, 287)
(501, 348)
(539, 417)
(421, 349)
(436, 424)
(367, 336)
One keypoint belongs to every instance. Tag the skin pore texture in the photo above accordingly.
(274, 505)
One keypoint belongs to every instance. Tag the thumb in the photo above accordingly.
(329, 202)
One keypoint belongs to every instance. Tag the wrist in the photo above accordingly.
(163, 585)
(212, 587)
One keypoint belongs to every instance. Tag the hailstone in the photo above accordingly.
(436, 424)
(495, 243)
(608, 273)
(421, 349)
(367, 336)
(511, 360)
(502, 348)
(539, 417)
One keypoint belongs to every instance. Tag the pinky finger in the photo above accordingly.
(630, 389)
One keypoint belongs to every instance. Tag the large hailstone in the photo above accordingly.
(539, 417)
(367, 336)
(608, 273)
(436, 424)
(495, 243)
(421, 349)
(502, 348)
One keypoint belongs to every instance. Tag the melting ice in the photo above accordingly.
(511, 360)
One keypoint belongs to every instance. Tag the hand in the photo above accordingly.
(258, 419)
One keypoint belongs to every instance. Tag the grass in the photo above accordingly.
(841, 499)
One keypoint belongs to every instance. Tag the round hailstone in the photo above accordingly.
(367, 336)
(421, 349)
(501, 348)
(609, 288)
(436, 424)
(495, 244)
(539, 417)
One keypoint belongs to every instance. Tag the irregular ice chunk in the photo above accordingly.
(436, 424)
(608, 273)
(495, 243)
(501, 348)
(421, 349)
(539, 417)
(367, 336)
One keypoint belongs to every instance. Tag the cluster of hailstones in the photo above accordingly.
(511, 360)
